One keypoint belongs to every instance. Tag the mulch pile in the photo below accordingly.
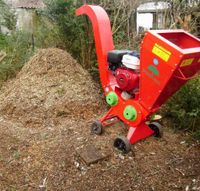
(50, 86)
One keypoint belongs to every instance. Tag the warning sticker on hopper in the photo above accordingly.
(187, 62)
(161, 52)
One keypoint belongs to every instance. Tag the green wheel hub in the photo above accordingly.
(130, 113)
(112, 98)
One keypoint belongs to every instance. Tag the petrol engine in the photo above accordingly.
(124, 65)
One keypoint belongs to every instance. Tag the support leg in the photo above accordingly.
(108, 118)
(140, 132)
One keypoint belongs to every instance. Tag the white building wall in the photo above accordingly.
(145, 14)
(144, 20)
(24, 19)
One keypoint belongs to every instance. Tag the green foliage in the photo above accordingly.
(18, 50)
(16, 46)
(7, 17)
(196, 134)
(47, 35)
(183, 108)
(3, 42)
(20, 45)
(62, 14)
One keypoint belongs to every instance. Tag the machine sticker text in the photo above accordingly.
(161, 52)
(153, 69)
(187, 62)
(150, 75)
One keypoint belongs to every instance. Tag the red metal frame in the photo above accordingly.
(168, 59)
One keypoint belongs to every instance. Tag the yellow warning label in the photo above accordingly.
(199, 60)
(187, 62)
(161, 52)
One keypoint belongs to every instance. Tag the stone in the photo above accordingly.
(90, 154)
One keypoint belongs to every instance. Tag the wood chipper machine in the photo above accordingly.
(137, 84)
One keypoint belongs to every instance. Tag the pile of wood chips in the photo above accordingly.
(50, 86)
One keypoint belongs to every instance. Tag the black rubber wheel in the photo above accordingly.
(122, 144)
(157, 128)
(96, 128)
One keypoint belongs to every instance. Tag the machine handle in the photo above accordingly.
(183, 76)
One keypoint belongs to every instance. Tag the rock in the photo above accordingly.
(90, 154)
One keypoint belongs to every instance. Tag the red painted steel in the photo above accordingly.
(168, 59)
(174, 48)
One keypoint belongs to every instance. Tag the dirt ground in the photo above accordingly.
(45, 115)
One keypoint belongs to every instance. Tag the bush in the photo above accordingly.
(183, 108)
(20, 45)
(7, 17)
(18, 49)
(47, 35)
(61, 14)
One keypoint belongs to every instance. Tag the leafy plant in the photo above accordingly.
(7, 17)
(18, 50)
(61, 13)
(183, 108)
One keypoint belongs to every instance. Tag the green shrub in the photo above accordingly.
(61, 14)
(7, 16)
(18, 49)
(47, 35)
(20, 45)
(184, 108)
